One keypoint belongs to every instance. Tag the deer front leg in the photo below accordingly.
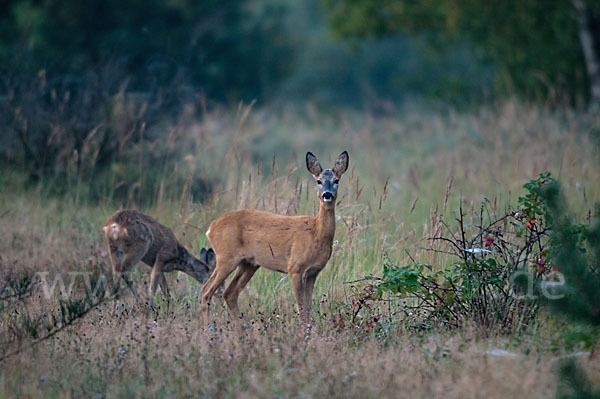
(115, 264)
(308, 294)
(129, 283)
(130, 259)
(164, 287)
(299, 287)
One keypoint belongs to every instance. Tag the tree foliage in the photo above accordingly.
(535, 44)
(225, 48)
(577, 256)
(576, 253)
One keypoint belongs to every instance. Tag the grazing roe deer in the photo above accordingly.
(138, 237)
(297, 245)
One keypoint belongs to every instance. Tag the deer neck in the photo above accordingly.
(185, 259)
(192, 266)
(325, 223)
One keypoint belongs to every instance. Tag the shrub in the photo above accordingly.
(487, 257)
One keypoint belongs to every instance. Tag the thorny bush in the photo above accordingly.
(487, 251)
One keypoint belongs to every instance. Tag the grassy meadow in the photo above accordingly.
(408, 174)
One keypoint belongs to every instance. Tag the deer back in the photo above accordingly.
(127, 228)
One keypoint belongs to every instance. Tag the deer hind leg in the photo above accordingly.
(244, 273)
(222, 270)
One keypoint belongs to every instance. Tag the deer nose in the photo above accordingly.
(327, 196)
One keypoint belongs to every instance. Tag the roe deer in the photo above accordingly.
(297, 245)
(138, 237)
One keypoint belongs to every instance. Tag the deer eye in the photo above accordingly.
(336, 181)
(319, 182)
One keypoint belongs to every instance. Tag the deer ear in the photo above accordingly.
(203, 253)
(341, 164)
(312, 164)
(211, 258)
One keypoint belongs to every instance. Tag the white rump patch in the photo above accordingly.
(207, 232)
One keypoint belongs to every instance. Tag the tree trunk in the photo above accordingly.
(589, 50)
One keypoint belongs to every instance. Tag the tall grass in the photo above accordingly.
(406, 172)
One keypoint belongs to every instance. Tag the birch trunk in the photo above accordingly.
(589, 50)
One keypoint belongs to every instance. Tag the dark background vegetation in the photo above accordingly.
(83, 80)
(345, 52)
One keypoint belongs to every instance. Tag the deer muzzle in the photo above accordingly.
(327, 196)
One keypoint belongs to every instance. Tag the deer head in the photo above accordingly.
(200, 268)
(327, 180)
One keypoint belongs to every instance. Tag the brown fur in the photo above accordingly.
(297, 245)
(138, 237)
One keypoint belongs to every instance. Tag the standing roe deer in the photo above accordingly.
(297, 245)
(136, 237)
